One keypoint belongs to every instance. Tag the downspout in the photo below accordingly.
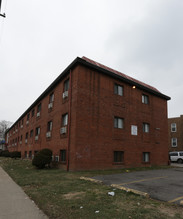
(69, 119)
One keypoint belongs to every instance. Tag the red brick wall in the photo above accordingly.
(96, 137)
(178, 134)
(93, 138)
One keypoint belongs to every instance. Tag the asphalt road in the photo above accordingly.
(164, 184)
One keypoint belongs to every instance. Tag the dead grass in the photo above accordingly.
(74, 195)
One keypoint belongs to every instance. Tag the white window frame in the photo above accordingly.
(118, 122)
(145, 99)
(65, 120)
(174, 142)
(173, 127)
(146, 127)
(146, 157)
(118, 89)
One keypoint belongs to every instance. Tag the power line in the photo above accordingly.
(2, 15)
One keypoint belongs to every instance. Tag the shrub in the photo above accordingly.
(5, 154)
(15, 154)
(42, 158)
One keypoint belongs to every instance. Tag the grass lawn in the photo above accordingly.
(64, 195)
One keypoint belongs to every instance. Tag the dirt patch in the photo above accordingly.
(172, 211)
(74, 195)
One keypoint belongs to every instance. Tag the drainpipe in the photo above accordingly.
(69, 118)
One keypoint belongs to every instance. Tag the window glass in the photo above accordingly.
(145, 127)
(145, 99)
(118, 156)
(66, 85)
(146, 156)
(65, 120)
(118, 122)
(173, 127)
(118, 89)
(63, 155)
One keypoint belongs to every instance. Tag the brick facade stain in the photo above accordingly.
(91, 141)
(177, 134)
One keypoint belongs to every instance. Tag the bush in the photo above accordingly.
(42, 158)
(15, 154)
(5, 154)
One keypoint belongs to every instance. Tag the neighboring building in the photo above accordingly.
(175, 126)
(93, 117)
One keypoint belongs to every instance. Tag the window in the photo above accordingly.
(30, 154)
(146, 157)
(51, 98)
(173, 127)
(63, 155)
(146, 127)
(38, 110)
(118, 122)
(118, 89)
(118, 156)
(33, 111)
(21, 138)
(31, 133)
(145, 99)
(65, 119)
(174, 142)
(66, 85)
(26, 135)
(25, 154)
(49, 126)
(28, 116)
(37, 131)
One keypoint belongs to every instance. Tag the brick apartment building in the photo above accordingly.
(175, 128)
(93, 117)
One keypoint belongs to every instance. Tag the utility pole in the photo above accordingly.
(2, 15)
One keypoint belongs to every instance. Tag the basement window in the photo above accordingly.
(63, 156)
(118, 156)
(146, 157)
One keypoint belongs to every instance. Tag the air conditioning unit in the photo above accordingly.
(27, 122)
(50, 105)
(20, 142)
(21, 126)
(36, 137)
(57, 158)
(48, 134)
(63, 130)
(65, 94)
(15, 144)
(38, 114)
(26, 141)
(16, 130)
(32, 156)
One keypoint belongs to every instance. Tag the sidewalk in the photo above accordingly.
(14, 203)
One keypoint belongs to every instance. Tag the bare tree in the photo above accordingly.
(4, 125)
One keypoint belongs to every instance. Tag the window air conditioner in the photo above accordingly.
(65, 94)
(48, 134)
(63, 130)
(38, 114)
(36, 137)
(50, 105)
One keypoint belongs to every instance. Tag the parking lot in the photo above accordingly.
(164, 184)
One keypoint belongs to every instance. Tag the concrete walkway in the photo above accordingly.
(14, 203)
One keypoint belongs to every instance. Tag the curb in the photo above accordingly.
(131, 190)
(90, 179)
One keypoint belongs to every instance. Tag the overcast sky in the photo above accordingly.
(40, 38)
